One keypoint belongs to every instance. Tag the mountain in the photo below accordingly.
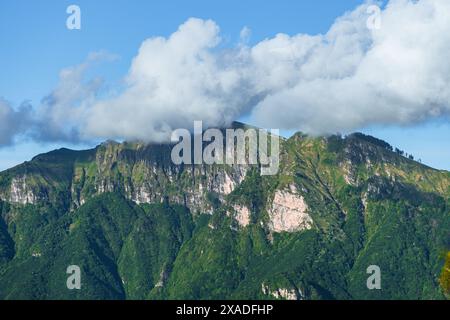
(140, 227)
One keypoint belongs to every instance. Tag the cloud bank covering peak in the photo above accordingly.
(348, 78)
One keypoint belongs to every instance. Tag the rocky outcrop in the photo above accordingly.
(350, 176)
(242, 215)
(281, 293)
(20, 192)
(289, 212)
(143, 179)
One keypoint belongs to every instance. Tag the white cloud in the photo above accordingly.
(171, 83)
(12, 122)
(354, 77)
(348, 78)
(63, 113)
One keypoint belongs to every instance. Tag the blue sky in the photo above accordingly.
(36, 46)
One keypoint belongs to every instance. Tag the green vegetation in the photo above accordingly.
(369, 206)
(445, 277)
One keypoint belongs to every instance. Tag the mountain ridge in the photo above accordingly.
(143, 228)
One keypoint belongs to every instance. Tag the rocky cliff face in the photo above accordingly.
(20, 192)
(145, 174)
(152, 182)
(289, 212)
(133, 170)
(336, 206)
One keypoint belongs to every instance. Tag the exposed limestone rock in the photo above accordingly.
(289, 212)
(20, 192)
(285, 294)
(163, 276)
(224, 183)
(242, 215)
(364, 201)
(191, 192)
(349, 174)
(281, 293)
(141, 195)
(140, 178)
(105, 186)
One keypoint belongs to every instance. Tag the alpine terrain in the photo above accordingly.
(140, 227)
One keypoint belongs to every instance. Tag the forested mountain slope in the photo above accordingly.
(141, 227)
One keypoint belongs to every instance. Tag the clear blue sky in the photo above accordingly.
(36, 45)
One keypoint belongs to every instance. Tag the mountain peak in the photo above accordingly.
(141, 227)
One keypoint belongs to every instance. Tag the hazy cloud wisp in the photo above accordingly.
(13, 122)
